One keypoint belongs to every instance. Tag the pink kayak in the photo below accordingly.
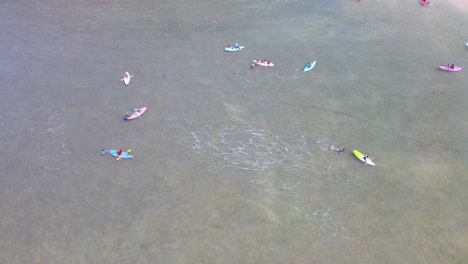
(424, 2)
(264, 63)
(138, 113)
(448, 68)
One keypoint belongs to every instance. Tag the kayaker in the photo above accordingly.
(236, 46)
(309, 65)
(366, 157)
(125, 118)
(453, 66)
(119, 152)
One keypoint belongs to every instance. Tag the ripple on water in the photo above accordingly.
(38, 128)
(281, 164)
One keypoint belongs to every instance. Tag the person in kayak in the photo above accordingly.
(366, 158)
(236, 46)
(453, 66)
(119, 152)
(309, 65)
(125, 118)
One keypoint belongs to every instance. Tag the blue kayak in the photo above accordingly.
(229, 48)
(310, 66)
(124, 154)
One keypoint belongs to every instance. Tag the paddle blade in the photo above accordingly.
(124, 153)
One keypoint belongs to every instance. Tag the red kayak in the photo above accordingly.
(424, 2)
(265, 63)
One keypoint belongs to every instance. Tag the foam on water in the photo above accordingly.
(243, 146)
(281, 164)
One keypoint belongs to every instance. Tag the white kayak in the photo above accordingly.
(310, 66)
(264, 63)
(229, 48)
(126, 78)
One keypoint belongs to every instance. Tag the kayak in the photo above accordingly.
(126, 78)
(424, 2)
(312, 65)
(137, 113)
(266, 64)
(360, 156)
(124, 155)
(448, 68)
(229, 48)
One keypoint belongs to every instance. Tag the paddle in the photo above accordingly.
(130, 77)
(134, 109)
(124, 154)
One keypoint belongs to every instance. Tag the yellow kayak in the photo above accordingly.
(360, 156)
